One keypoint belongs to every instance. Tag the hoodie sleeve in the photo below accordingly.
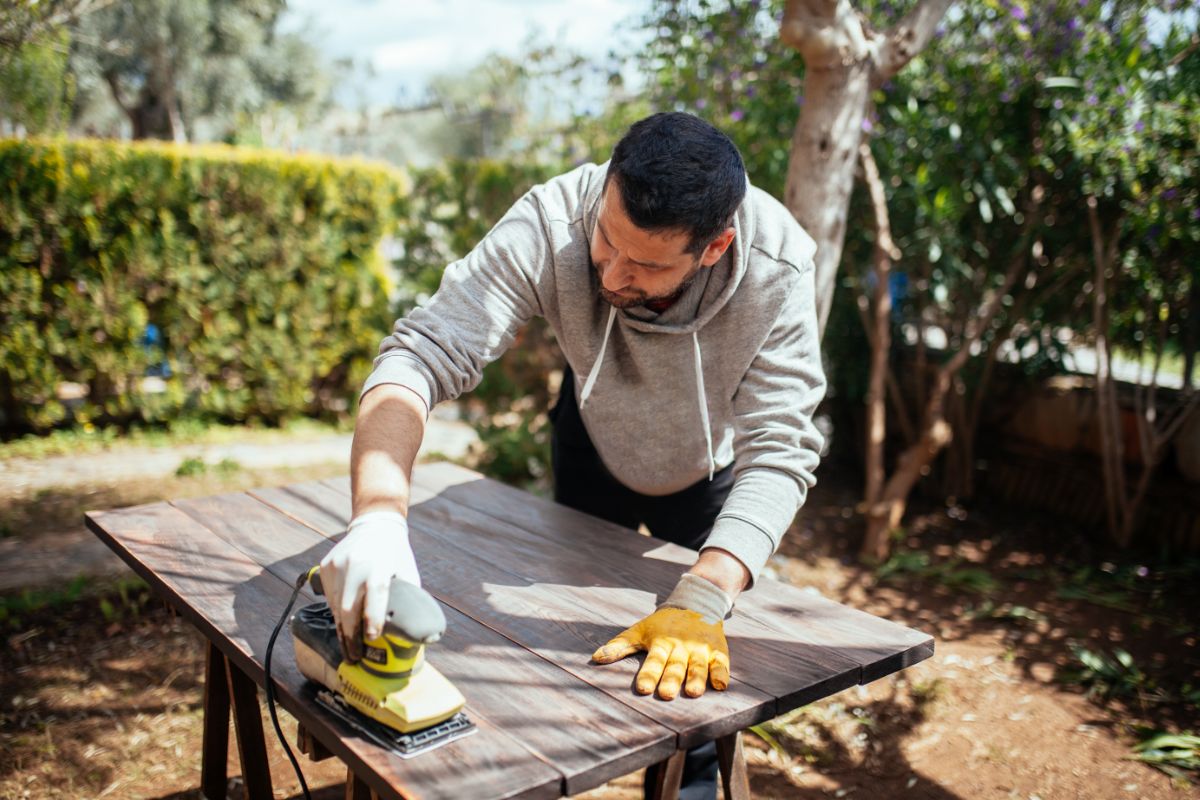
(776, 444)
(440, 349)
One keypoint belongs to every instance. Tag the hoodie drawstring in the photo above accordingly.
(712, 464)
(591, 378)
(590, 383)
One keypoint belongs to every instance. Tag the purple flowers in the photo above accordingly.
(737, 114)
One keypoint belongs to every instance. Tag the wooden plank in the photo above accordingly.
(669, 777)
(252, 746)
(795, 669)
(793, 664)
(735, 782)
(588, 736)
(310, 745)
(234, 602)
(879, 647)
(357, 789)
(563, 618)
(214, 749)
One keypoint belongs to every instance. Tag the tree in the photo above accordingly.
(845, 59)
(1135, 136)
(24, 22)
(193, 69)
(37, 89)
(976, 225)
(34, 42)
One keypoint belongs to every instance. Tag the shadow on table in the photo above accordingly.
(561, 584)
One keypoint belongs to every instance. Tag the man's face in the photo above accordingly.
(638, 266)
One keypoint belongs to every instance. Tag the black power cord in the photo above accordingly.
(303, 579)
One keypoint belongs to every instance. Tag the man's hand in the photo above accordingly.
(678, 643)
(684, 638)
(357, 574)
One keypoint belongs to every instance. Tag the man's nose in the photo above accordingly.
(616, 275)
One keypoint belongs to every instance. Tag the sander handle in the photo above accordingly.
(412, 613)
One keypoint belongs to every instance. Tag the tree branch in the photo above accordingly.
(827, 33)
(908, 37)
(114, 85)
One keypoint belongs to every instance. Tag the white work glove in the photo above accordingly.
(358, 571)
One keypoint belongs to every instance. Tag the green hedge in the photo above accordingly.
(261, 270)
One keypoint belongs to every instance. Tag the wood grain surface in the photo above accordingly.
(531, 589)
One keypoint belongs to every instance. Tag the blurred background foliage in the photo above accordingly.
(989, 144)
(258, 273)
(235, 277)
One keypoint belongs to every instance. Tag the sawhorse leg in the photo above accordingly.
(732, 760)
(226, 687)
(357, 789)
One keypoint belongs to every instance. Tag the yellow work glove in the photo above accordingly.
(684, 642)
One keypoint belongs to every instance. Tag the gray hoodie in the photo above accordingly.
(731, 372)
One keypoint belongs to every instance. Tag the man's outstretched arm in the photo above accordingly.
(387, 434)
(359, 570)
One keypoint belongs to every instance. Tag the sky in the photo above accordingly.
(410, 41)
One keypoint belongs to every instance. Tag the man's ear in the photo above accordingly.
(716, 248)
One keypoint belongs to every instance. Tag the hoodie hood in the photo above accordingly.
(710, 290)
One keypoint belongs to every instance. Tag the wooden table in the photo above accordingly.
(530, 589)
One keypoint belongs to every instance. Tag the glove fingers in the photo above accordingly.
(718, 671)
(375, 606)
(673, 675)
(652, 668)
(624, 644)
(697, 673)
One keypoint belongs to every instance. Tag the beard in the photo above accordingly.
(638, 299)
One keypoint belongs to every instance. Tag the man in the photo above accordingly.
(685, 300)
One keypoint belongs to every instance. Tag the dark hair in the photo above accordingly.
(677, 172)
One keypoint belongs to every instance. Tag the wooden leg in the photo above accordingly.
(670, 775)
(309, 745)
(357, 789)
(252, 747)
(214, 752)
(732, 759)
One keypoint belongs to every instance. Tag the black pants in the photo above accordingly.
(686, 517)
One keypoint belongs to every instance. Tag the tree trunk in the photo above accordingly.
(1107, 408)
(843, 61)
(878, 331)
(821, 165)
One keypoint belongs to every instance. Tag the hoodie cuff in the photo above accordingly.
(402, 370)
(747, 542)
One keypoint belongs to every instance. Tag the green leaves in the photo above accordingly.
(260, 271)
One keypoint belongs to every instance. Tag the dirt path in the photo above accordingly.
(42, 500)
(101, 697)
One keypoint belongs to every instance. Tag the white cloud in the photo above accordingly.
(411, 41)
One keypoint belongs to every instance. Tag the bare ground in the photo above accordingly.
(100, 693)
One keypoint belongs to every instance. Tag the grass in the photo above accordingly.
(1176, 754)
(906, 565)
(117, 599)
(89, 439)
